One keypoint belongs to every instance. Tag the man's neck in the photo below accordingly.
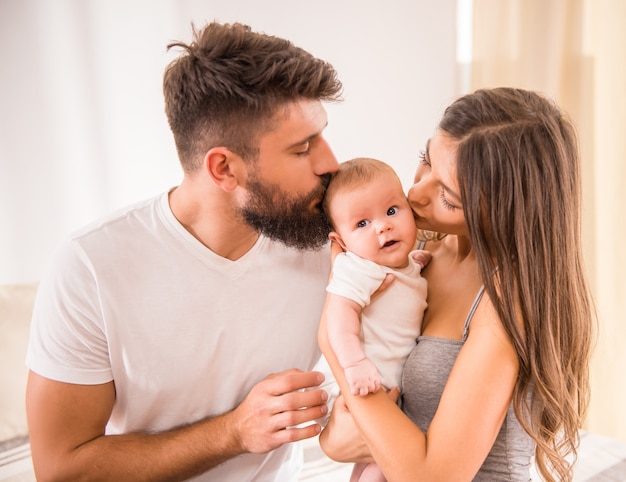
(210, 216)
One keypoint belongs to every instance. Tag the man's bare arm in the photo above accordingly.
(67, 424)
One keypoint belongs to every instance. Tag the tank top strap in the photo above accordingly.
(471, 311)
(479, 295)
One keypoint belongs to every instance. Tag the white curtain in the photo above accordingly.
(573, 51)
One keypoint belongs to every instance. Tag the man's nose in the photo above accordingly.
(325, 161)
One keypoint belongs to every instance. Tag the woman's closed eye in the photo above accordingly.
(446, 204)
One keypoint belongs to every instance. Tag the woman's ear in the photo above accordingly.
(221, 164)
(334, 236)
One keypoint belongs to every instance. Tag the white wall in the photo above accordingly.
(82, 128)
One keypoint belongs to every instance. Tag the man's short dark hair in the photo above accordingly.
(230, 82)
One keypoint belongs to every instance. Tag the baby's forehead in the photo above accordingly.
(375, 191)
(343, 186)
(379, 176)
(383, 181)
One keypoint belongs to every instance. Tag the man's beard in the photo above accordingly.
(275, 214)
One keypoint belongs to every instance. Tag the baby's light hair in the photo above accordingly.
(354, 174)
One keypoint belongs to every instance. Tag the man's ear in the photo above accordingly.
(222, 165)
(334, 236)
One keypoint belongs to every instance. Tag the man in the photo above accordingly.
(175, 339)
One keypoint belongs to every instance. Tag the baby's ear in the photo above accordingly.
(334, 236)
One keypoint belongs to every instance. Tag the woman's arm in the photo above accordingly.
(470, 414)
(341, 439)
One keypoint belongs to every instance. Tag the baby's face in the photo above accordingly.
(376, 222)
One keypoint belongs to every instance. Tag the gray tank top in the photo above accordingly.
(423, 378)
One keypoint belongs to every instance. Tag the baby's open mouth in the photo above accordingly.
(389, 243)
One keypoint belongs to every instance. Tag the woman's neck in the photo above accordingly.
(462, 246)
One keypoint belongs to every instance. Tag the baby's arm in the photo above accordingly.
(344, 328)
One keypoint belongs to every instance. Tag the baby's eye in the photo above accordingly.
(392, 210)
(362, 223)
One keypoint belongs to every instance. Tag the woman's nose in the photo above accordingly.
(417, 194)
(414, 194)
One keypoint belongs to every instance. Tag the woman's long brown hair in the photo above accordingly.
(519, 177)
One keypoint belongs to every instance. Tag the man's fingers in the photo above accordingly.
(277, 408)
(308, 398)
(295, 418)
(293, 434)
(292, 380)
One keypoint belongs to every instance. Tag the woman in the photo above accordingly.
(500, 372)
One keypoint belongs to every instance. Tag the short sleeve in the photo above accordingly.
(67, 338)
(355, 278)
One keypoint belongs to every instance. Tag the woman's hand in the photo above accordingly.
(341, 439)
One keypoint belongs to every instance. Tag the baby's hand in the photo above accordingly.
(363, 378)
(421, 257)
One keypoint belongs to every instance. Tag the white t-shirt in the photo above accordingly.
(184, 333)
(391, 322)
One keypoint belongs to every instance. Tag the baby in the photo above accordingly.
(373, 222)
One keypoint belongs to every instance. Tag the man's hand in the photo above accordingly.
(271, 414)
(67, 428)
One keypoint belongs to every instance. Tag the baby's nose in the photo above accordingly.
(384, 226)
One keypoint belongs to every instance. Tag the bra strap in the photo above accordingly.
(472, 310)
